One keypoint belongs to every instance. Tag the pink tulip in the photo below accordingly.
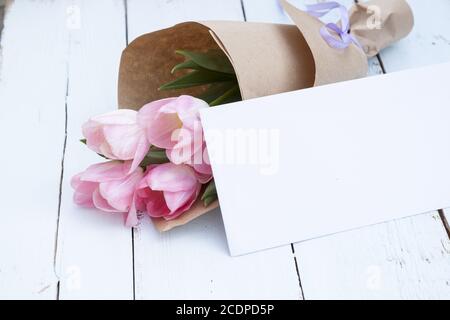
(109, 187)
(174, 124)
(167, 191)
(118, 136)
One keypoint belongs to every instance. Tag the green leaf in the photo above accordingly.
(159, 156)
(207, 201)
(214, 60)
(154, 156)
(189, 64)
(216, 90)
(210, 194)
(84, 141)
(197, 78)
(232, 95)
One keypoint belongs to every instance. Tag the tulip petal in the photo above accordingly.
(118, 117)
(156, 205)
(159, 132)
(187, 108)
(86, 188)
(149, 112)
(182, 151)
(124, 140)
(76, 180)
(200, 162)
(159, 126)
(172, 178)
(83, 200)
(93, 134)
(119, 193)
(140, 201)
(203, 178)
(202, 168)
(93, 129)
(176, 200)
(141, 151)
(105, 150)
(183, 208)
(102, 172)
(101, 203)
(132, 218)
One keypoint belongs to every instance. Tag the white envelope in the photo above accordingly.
(314, 162)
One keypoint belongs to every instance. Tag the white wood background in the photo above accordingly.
(58, 66)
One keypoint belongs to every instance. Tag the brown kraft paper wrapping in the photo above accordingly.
(267, 58)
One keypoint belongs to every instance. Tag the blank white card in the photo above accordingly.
(310, 163)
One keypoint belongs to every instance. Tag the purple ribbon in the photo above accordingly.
(343, 31)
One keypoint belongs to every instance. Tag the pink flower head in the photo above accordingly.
(118, 136)
(107, 186)
(174, 124)
(167, 191)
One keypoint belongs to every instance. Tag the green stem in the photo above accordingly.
(234, 91)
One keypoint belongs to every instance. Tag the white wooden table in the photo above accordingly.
(58, 66)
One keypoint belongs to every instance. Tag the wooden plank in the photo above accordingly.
(269, 11)
(429, 42)
(401, 259)
(95, 258)
(193, 262)
(32, 96)
(404, 259)
(146, 16)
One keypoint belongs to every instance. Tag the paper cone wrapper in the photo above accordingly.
(267, 58)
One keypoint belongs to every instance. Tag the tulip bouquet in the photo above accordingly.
(157, 162)
(157, 158)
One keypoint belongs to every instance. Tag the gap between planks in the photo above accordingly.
(133, 230)
(298, 271)
(243, 10)
(58, 283)
(444, 221)
(4, 4)
(2, 17)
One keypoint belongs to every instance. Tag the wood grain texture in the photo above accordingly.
(445, 216)
(193, 262)
(404, 259)
(94, 258)
(32, 98)
(429, 42)
(269, 11)
(146, 16)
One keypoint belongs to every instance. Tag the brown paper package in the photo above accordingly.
(267, 58)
